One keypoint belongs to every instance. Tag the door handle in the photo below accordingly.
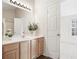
(58, 34)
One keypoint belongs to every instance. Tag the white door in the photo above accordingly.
(68, 42)
(53, 29)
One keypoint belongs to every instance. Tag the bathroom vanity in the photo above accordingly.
(29, 48)
(11, 51)
(16, 18)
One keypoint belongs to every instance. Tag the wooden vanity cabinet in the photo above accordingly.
(37, 47)
(34, 49)
(30, 49)
(11, 51)
(40, 46)
(25, 50)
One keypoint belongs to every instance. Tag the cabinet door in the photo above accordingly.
(11, 51)
(35, 48)
(25, 50)
(14, 54)
(41, 45)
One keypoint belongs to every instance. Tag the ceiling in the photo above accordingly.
(63, 0)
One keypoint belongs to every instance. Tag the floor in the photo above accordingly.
(43, 57)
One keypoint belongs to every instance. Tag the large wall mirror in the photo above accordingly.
(12, 16)
(8, 18)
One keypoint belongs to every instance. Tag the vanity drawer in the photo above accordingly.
(10, 47)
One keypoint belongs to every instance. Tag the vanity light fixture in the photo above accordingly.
(11, 1)
(19, 4)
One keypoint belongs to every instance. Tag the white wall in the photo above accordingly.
(68, 7)
(41, 15)
(67, 41)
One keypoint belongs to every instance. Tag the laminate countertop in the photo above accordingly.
(15, 39)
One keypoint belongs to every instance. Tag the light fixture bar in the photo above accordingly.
(19, 4)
